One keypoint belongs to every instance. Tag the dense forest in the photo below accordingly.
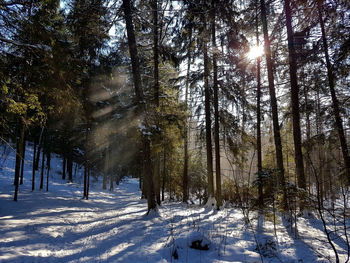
(219, 103)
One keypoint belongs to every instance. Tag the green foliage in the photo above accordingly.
(62, 70)
(197, 174)
(230, 191)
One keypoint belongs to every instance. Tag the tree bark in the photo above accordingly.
(23, 151)
(298, 154)
(33, 171)
(39, 149)
(85, 180)
(86, 158)
(185, 194)
(64, 160)
(18, 160)
(106, 170)
(88, 184)
(308, 147)
(135, 64)
(111, 186)
(258, 118)
(335, 102)
(273, 103)
(48, 165)
(185, 171)
(320, 149)
(70, 166)
(42, 170)
(149, 184)
(110, 170)
(207, 111)
(154, 6)
(163, 174)
(216, 111)
(156, 178)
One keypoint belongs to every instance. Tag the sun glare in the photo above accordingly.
(255, 51)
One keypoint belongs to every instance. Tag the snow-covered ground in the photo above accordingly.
(59, 226)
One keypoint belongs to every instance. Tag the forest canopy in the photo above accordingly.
(242, 102)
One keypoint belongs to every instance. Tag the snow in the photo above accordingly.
(112, 226)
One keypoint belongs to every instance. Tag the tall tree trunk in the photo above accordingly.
(207, 112)
(85, 163)
(273, 103)
(18, 159)
(216, 111)
(298, 154)
(308, 147)
(85, 180)
(186, 128)
(154, 5)
(33, 171)
(118, 177)
(42, 170)
(156, 169)
(110, 170)
(135, 64)
(156, 178)
(140, 183)
(88, 184)
(320, 149)
(106, 170)
(163, 174)
(87, 154)
(48, 165)
(258, 117)
(111, 186)
(39, 149)
(64, 160)
(143, 190)
(23, 151)
(185, 171)
(70, 166)
(38, 156)
(331, 83)
(149, 184)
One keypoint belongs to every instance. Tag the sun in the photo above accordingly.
(255, 51)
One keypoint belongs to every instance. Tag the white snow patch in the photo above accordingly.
(58, 226)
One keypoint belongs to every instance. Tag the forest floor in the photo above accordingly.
(112, 226)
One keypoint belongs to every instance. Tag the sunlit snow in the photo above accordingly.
(59, 226)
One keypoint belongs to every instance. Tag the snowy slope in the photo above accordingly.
(58, 226)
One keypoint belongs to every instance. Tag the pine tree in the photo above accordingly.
(273, 103)
(258, 114)
(148, 175)
(216, 110)
(298, 155)
(209, 151)
(331, 83)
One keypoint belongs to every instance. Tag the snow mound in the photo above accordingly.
(211, 203)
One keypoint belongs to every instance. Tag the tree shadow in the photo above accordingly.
(302, 250)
